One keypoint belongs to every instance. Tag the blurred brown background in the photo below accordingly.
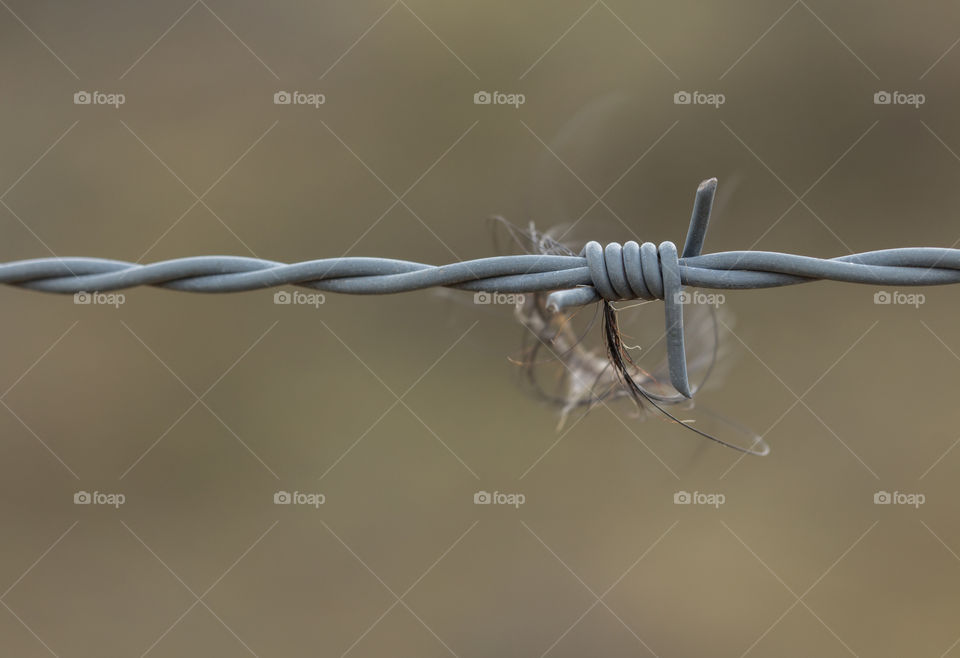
(399, 161)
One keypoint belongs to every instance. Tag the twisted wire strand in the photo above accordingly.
(615, 272)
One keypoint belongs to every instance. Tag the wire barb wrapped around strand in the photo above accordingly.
(611, 273)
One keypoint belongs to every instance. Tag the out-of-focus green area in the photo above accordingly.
(199, 409)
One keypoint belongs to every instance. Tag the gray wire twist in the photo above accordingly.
(611, 273)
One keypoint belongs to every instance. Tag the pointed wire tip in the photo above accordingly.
(710, 182)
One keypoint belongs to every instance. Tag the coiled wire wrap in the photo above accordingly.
(611, 273)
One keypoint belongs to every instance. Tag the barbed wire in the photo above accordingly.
(611, 273)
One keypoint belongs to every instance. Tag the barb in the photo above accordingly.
(611, 273)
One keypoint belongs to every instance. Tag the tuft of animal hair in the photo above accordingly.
(591, 376)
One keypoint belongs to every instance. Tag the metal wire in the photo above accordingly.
(611, 273)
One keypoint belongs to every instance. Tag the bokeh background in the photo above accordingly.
(198, 409)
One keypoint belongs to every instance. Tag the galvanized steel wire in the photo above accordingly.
(611, 273)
